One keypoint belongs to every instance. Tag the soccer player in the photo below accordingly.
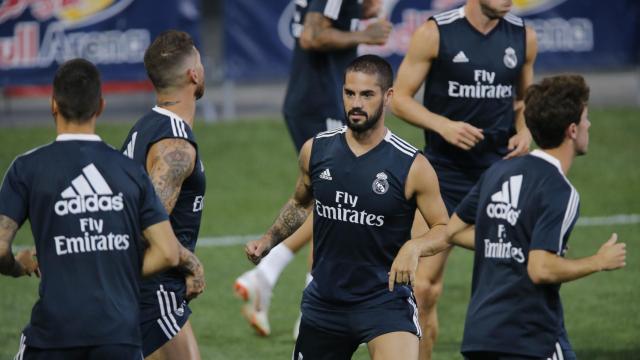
(363, 184)
(89, 208)
(524, 210)
(163, 142)
(475, 61)
(327, 36)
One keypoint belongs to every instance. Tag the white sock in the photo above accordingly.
(308, 279)
(273, 264)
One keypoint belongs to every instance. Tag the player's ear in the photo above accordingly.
(54, 107)
(193, 76)
(100, 107)
(572, 131)
(388, 96)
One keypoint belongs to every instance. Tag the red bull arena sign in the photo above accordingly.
(38, 35)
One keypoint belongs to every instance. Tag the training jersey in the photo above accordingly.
(87, 205)
(474, 79)
(315, 81)
(156, 125)
(518, 205)
(361, 219)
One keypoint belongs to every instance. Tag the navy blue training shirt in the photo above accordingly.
(474, 79)
(361, 219)
(518, 205)
(87, 205)
(316, 77)
(156, 125)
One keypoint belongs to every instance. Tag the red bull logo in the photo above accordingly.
(35, 44)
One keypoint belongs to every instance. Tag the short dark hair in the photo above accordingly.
(77, 90)
(165, 56)
(372, 65)
(552, 105)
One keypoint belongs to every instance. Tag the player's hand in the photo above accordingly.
(378, 32)
(257, 249)
(519, 144)
(403, 269)
(461, 134)
(28, 261)
(371, 8)
(612, 255)
(195, 285)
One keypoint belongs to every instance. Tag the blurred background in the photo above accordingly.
(250, 160)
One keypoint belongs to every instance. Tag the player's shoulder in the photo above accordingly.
(163, 123)
(401, 146)
(449, 17)
(514, 20)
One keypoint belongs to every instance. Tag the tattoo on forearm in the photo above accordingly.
(189, 263)
(173, 163)
(8, 229)
(291, 217)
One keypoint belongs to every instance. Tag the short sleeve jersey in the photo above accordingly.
(518, 205)
(87, 205)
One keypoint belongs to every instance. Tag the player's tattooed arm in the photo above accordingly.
(169, 163)
(194, 271)
(292, 215)
(23, 263)
(318, 34)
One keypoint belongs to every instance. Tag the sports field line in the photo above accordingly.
(620, 219)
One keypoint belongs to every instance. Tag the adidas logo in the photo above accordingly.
(504, 203)
(89, 192)
(460, 58)
(326, 175)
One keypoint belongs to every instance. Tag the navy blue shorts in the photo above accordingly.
(562, 351)
(455, 184)
(102, 352)
(303, 128)
(336, 333)
(162, 315)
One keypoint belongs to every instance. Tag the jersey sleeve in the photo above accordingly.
(14, 194)
(558, 214)
(151, 209)
(328, 8)
(468, 207)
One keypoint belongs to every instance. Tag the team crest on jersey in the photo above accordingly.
(510, 59)
(380, 184)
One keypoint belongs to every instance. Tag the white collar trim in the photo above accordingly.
(168, 113)
(83, 137)
(549, 158)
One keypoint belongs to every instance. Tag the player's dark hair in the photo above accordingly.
(77, 91)
(165, 56)
(373, 65)
(552, 105)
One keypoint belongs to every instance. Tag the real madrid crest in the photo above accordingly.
(380, 184)
(510, 59)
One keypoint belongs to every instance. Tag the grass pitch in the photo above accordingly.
(251, 168)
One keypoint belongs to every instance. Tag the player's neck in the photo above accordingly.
(478, 20)
(179, 103)
(361, 143)
(565, 154)
(68, 127)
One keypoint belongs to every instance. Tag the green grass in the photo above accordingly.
(251, 168)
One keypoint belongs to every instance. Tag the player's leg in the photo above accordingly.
(394, 345)
(256, 285)
(110, 352)
(427, 289)
(315, 344)
(183, 346)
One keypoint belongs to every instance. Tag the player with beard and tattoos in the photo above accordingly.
(363, 185)
(164, 143)
(475, 61)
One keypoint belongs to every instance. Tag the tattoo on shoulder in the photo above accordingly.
(173, 163)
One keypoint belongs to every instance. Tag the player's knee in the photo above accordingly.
(427, 293)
